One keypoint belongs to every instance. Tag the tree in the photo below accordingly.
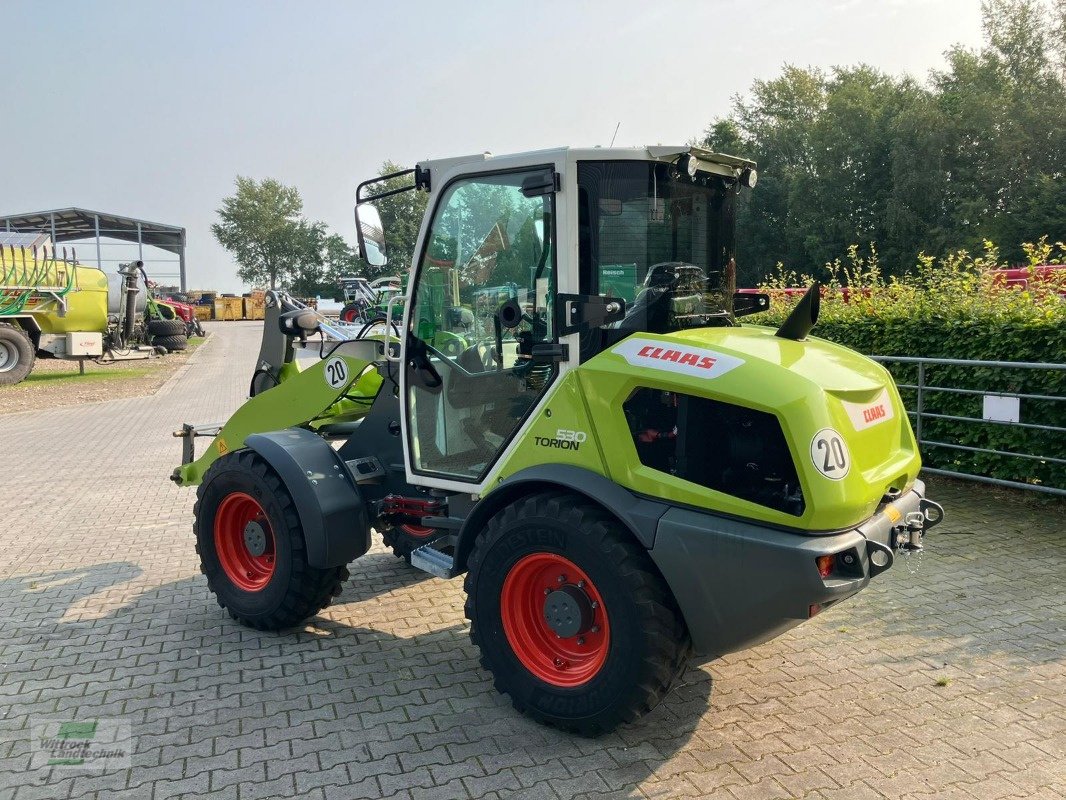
(263, 227)
(401, 215)
(341, 260)
(855, 156)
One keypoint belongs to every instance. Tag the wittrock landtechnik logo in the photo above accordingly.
(99, 744)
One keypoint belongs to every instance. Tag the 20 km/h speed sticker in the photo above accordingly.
(830, 454)
(336, 372)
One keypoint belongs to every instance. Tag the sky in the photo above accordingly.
(151, 109)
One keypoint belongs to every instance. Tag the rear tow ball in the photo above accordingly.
(909, 536)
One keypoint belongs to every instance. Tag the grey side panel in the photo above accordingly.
(331, 509)
(639, 515)
(740, 584)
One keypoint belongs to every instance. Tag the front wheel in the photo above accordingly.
(571, 616)
(251, 546)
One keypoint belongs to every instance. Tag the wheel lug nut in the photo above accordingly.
(580, 639)
(547, 592)
(595, 629)
(580, 584)
(562, 579)
(595, 604)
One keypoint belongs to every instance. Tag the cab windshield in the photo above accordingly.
(659, 239)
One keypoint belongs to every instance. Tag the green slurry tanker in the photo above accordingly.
(571, 415)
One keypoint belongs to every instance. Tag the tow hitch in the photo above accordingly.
(908, 538)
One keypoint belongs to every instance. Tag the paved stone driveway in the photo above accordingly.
(103, 614)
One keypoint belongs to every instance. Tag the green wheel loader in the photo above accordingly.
(571, 415)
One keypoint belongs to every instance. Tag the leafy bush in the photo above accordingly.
(955, 307)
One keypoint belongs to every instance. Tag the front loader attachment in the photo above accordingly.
(340, 388)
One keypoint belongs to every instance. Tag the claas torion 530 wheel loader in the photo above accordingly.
(571, 415)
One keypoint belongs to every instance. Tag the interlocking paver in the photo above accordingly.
(103, 612)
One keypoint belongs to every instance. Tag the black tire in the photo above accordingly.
(295, 590)
(166, 327)
(172, 344)
(352, 313)
(17, 354)
(403, 539)
(648, 643)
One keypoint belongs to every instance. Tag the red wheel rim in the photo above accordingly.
(417, 530)
(560, 661)
(348, 315)
(246, 554)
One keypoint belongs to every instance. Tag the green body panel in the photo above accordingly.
(566, 411)
(303, 397)
(805, 384)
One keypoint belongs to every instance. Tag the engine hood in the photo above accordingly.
(840, 412)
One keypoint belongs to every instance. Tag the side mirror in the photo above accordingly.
(371, 235)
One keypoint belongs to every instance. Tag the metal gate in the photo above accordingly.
(1053, 444)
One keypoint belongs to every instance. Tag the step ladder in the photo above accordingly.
(437, 558)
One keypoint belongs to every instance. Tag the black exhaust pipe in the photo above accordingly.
(803, 316)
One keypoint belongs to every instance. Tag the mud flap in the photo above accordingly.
(332, 513)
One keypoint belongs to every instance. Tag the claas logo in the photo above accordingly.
(873, 414)
(677, 356)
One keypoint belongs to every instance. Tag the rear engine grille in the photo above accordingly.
(725, 447)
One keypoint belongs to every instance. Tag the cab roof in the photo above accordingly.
(714, 162)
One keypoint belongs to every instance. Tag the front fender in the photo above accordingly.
(330, 506)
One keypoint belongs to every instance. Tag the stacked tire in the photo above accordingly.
(168, 334)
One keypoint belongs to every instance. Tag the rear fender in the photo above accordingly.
(330, 506)
(639, 516)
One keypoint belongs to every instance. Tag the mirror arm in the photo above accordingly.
(359, 190)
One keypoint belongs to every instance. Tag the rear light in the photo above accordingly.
(825, 565)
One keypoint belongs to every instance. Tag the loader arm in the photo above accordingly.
(338, 388)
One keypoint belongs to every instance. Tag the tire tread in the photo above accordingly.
(668, 643)
(310, 589)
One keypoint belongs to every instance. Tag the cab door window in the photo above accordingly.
(482, 302)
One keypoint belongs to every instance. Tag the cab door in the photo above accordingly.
(480, 305)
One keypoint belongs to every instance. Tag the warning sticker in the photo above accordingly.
(671, 357)
(223, 448)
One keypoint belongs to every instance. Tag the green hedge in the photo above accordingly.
(953, 308)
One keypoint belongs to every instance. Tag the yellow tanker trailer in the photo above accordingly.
(58, 308)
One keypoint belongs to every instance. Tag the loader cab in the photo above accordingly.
(526, 266)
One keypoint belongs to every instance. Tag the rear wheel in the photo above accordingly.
(405, 539)
(251, 546)
(571, 616)
(352, 312)
(17, 354)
